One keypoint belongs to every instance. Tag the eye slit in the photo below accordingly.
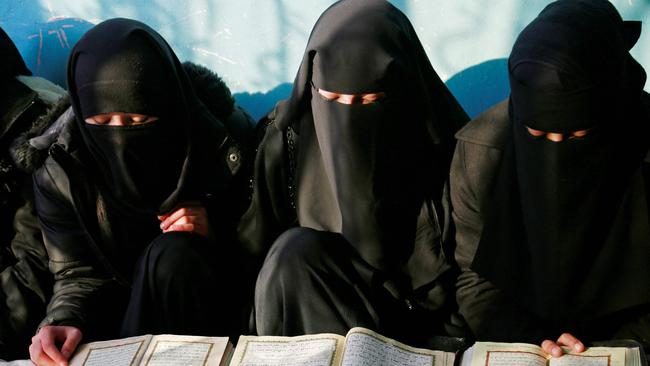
(577, 135)
(329, 96)
(138, 119)
(367, 98)
(142, 119)
(535, 133)
(372, 97)
(99, 119)
(347, 99)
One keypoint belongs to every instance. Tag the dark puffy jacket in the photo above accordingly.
(28, 106)
(83, 253)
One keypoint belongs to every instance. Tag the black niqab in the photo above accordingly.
(364, 170)
(124, 66)
(566, 230)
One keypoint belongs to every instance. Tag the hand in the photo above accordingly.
(191, 217)
(43, 350)
(566, 340)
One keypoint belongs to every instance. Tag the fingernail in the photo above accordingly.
(557, 351)
(578, 346)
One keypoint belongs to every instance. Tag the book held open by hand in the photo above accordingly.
(360, 347)
(523, 354)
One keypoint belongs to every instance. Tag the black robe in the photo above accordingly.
(100, 189)
(373, 176)
(567, 229)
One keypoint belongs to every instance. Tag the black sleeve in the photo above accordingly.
(26, 285)
(270, 212)
(490, 314)
(78, 277)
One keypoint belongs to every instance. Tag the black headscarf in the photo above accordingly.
(12, 63)
(566, 230)
(122, 65)
(365, 170)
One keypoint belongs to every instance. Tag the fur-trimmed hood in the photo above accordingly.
(30, 149)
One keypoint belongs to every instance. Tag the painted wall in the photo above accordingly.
(256, 45)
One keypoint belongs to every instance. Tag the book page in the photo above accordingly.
(632, 356)
(311, 350)
(176, 350)
(592, 356)
(120, 352)
(506, 354)
(365, 348)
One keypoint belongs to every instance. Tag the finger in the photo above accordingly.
(551, 348)
(192, 228)
(47, 342)
(38, 356)
(71, 342)
(186, 220)
(568, 340)
(181, 227)
(183, 211)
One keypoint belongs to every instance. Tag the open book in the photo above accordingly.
(359, 347)
(364, 347)
(159, 350)
(523, 354)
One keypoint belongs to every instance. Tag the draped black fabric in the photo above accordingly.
(122, 65)
(144, 170)
(175, 289)
(566, 231)
(315, 282)
(12, 62)
(364, 170)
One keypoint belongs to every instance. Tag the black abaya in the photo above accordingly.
(369, 178)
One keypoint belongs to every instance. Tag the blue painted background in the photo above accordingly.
(256, 45)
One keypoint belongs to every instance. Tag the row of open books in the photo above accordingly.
(359, 347)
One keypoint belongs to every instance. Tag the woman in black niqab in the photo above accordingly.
(567, 234)
(365, 175)
(148, 158)
(138, 166)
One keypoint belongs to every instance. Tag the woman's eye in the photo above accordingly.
(138, 120)
(580, 134)
(372, 98)
(328, 95)
(97, 120)
(535, 133)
